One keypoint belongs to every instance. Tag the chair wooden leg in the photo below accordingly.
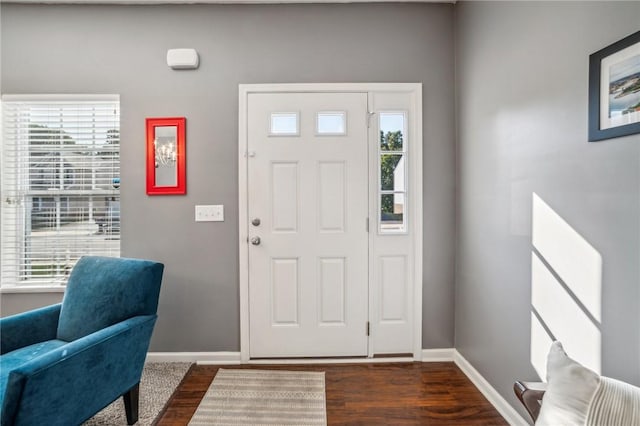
(131, 403)
(530, 394)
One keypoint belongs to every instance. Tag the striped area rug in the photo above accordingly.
(263, 397)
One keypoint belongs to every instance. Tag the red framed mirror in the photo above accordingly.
(166, 156)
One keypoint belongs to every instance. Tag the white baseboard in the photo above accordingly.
(214, 358)
(504, 408)
(428, 355)
(437, 355)
(304, 361)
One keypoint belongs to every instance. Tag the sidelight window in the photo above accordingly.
(393, 171)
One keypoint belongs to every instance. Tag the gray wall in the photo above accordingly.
(121, 49)
(15, 303)
(522, 78)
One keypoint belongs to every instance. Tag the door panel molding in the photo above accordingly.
(378, 92)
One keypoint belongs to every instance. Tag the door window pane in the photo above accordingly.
(331, 123)
(284, 124)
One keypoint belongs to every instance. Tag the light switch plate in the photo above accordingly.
(210, 213)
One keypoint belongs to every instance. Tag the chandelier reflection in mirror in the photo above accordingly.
(165, 153)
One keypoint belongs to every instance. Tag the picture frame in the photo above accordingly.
(614, 90)
(166, 156)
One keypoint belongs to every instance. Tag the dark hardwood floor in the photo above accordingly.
(435, 393)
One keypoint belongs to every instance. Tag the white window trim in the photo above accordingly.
(17, 289)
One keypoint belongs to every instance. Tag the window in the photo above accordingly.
(393, 174)
(331, 123)
(60, 185)
(284, 124)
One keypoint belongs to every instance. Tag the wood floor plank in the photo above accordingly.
(414, 393)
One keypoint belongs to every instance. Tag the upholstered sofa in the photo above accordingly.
(61, 364)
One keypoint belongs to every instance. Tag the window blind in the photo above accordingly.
(60, 185)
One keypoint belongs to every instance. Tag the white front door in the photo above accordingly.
(307, 181)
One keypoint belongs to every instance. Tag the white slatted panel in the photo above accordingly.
(60, 184)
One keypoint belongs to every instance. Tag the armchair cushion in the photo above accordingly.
(103, 291)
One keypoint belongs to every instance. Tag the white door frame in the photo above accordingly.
(415, 179)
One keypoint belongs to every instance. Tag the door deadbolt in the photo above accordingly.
(256, 221)
(255, 241)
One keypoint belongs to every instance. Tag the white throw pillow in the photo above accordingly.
(577, 396)
(570, 389)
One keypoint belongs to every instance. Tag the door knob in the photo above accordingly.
(256, 221)
(255, 241)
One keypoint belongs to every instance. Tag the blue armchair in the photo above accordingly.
(61, 364)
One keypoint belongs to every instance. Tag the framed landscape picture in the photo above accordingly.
(614, 90)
